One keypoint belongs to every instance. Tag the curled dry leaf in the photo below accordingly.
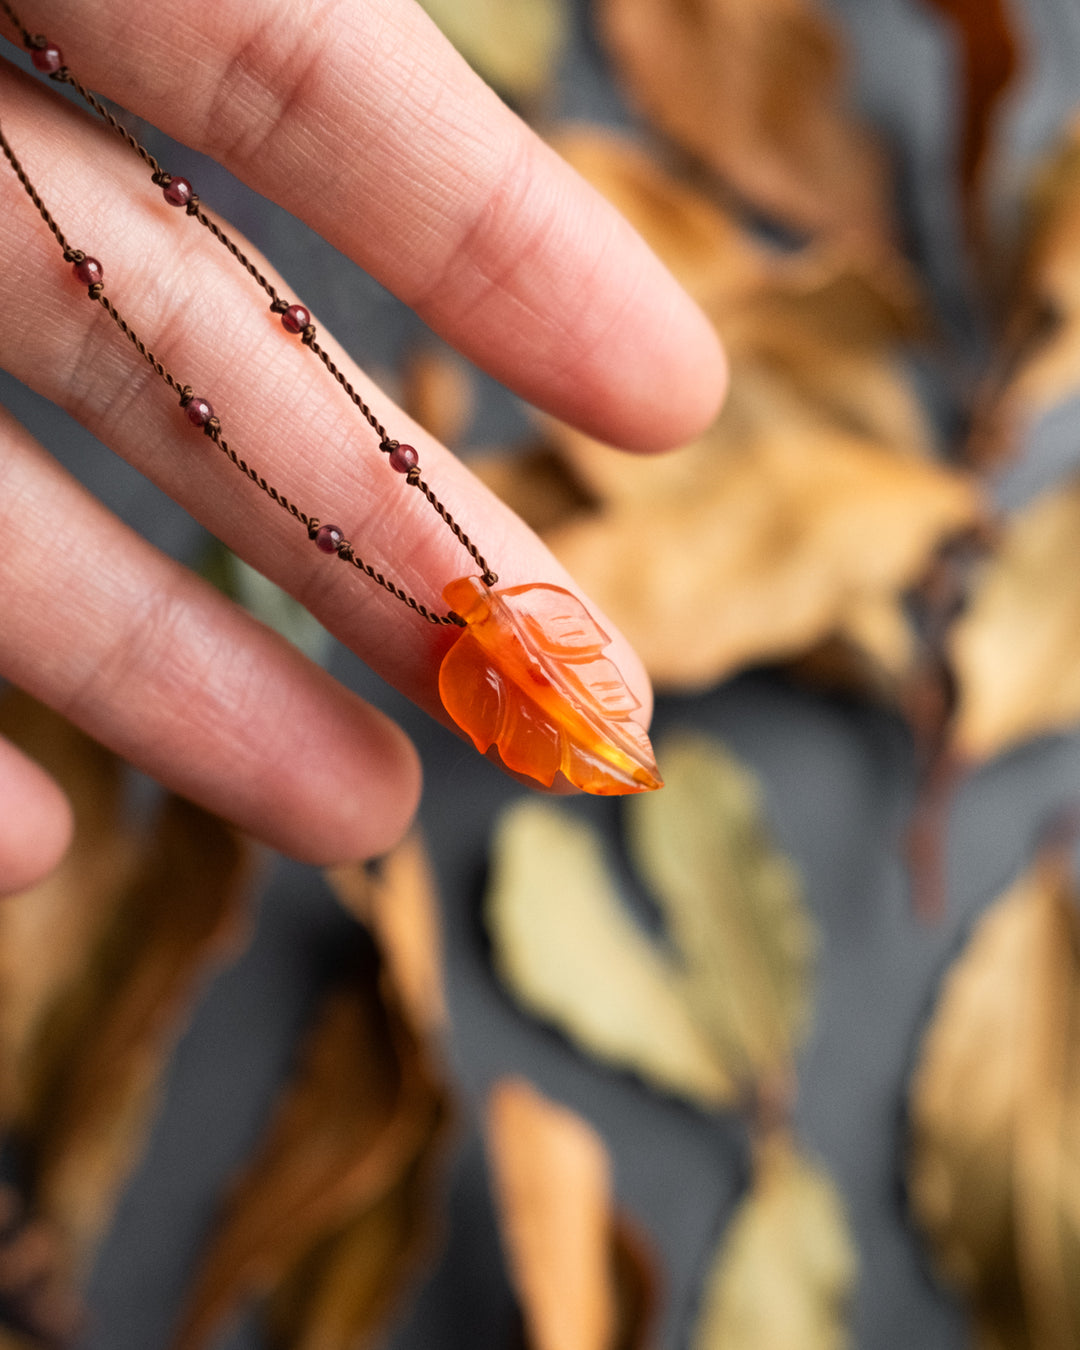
(807, 509)
(565, 945)
(395, 898)
(733, 909)
(995, 1101)
(1016, 652)
(1038, 363)
(755, 92)
(783, 1276)
(356, 1128)
(514, 44)
(552, 1180)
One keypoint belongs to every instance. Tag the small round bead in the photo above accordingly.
(88, 271)
(295, 319)
(47, 59)
(179, 192)
(403, 458)
(199, 412)
(328, 537)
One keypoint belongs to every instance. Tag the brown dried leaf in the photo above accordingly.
(47, 933)
(995, 1146)
(514, 44)
(552, 1180)
(990, 58)
(1038, 363)
(363, 1111)
(755, 91)
(756, 543)
(784, 1273)
(565, 945)
(733, 908)
(396, 898)
(1016, 652)
(98, 1056)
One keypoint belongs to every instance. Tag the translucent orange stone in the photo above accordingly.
(526, 675)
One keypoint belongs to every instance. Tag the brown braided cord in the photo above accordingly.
(277, 305)
(212, 427)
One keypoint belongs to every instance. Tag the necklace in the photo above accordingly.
(525, 672)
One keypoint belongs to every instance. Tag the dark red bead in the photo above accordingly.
(88, 271)
(47, 59)
(295, 319)
(328, 537)
(199, 412)
(179, 192)
(403, 458)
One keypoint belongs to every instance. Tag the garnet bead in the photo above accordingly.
(328, 537)
(178, 192)
(295, 319)
(47, 59)
(89, 271)
(199, 412)
(404, 458)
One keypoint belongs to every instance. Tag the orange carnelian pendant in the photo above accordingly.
(527, 676)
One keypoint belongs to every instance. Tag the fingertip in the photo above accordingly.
(36, 822)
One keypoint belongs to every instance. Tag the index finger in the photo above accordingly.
(358, 117)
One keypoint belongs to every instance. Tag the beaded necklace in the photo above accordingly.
(525, 673)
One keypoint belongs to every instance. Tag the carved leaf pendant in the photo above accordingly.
(527, 676)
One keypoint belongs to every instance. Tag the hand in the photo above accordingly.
(360, 119)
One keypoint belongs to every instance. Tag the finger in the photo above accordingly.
(361, 119)
(35, 821)
(209, 324)
(163, 669)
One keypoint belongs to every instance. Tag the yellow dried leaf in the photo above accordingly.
(569, 951)
(552, 1182)
(733, 908)
(755, 91)
(994, 1165)
(1038, 364)
(1016, 652)
(362, 1111)
(396, 898)
(513, 44)
(784, 1273)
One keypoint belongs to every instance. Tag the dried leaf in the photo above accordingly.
(784, 1273)
(567, 948)
(98, 1057)
(552, 1180)
(348, 1287)
(363, 1111)
(733, 909)
(47, 933)
(1038, 364)
(756, 543)
(989, 59)
(995, 1099)
(1016, 652)
(396, 899)
(526, 675)
(755, 91)
(514, 44)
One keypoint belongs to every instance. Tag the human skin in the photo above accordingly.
(358, 117)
